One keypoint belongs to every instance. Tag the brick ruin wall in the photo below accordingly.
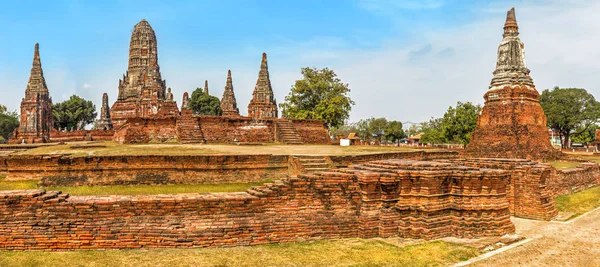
(215, 129)
(146, 130)
(312, 131)
(346, 160)
(81, 135)
(130, 170)
(65, 170)
(395, 198)
(528, 194)
(562, 182)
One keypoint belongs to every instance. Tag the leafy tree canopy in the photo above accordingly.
(377, 128)
(74, 113)
(586, 135)
(343, 130)
(204, 104)
(432, 132)
(318, 95)
(394, 131)
(459, 122)
(9, 121)
(455, 126)
(569, 109)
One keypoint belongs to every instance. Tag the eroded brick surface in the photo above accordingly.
(512, 123)
(382, 198)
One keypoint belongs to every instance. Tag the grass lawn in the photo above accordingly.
(563, 165)
(348, 252)
(112, 148)
(132, 190)
(580, 202)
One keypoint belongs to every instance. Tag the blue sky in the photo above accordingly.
(404, 60)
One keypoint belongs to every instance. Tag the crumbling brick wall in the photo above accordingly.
(147, 169)
(146, 130)
(562, 182)
(312, 131)
(528, 193)
(218, 129)
(385, 198)
(81, 135)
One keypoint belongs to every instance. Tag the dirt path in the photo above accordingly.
(554, 244)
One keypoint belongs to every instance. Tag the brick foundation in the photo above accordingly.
(124, 170)
(386, 198)
(563, 182)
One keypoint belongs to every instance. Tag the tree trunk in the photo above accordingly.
(566, 143)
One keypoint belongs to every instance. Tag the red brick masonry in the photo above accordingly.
(383, 198)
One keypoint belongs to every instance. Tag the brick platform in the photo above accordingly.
(383, 198)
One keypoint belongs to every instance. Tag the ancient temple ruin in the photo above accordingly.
(104, 123)
(512, 123)
(263, 104)
(142, 91)
(36, 107)
(228, 102)
(145, 110)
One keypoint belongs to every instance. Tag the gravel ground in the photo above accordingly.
(576, 243)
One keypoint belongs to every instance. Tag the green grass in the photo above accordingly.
(580, 202)
(349, 252)
(132, 190)
(563, 165)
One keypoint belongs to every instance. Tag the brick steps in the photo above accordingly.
(188, 129)
(313, 163)
(287, 133)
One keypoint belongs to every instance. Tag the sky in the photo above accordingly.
(406, 60)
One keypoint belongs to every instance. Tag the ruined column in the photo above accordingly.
(36, 120)
(228, 102)
(263, 104)
(512, 123)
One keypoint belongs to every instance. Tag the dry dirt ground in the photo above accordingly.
(576, 243)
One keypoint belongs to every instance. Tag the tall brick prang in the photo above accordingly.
(205, 87)
(228, 102)
(36, 108)
(263, 104)
(142, 91)
(512, 123)
(105, 123)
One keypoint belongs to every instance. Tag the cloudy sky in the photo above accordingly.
(406, 60)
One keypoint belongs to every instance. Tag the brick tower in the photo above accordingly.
(512, 123)
(142, 91)
(36, 107)
(205, 87)
(228, 102)
(104, 123)
(263, 104)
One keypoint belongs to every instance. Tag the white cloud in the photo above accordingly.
(86, 86)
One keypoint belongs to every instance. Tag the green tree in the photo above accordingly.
(74, 113)
(344, 130)
(432, 132)
(459, 122)
(586, 135)
(569, 109)
(372, 127)
(204, 104)
(318, 95)
(394, 131)
(9, 121)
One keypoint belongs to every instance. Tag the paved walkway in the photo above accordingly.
(576, 243)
